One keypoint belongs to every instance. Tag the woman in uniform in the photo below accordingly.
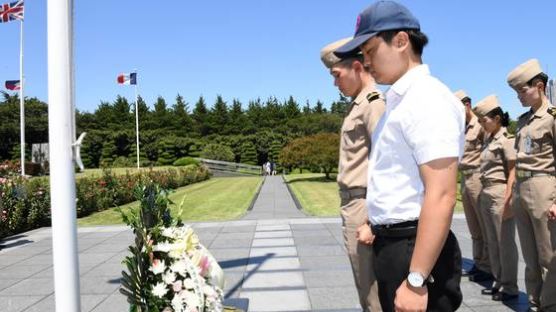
(497, 177)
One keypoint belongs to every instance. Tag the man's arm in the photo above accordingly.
(439, 178)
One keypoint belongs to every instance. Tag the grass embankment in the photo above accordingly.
(319, 197)
(214, 199)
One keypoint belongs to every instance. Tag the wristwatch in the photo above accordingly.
(416, 279)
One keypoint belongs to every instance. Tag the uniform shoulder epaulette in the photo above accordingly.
(373, 96)
(552, 111)
(509, 135)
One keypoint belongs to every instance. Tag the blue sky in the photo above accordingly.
(261, 48)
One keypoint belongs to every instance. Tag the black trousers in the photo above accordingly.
(391, 265)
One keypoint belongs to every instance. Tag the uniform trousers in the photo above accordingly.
(354, 214)
(470, 191)
(532, 198)
(391, 265)
(500, 235)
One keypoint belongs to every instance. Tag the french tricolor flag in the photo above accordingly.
(127, 79)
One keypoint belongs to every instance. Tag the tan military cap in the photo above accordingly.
(460, 94)
(327, 53)
(486, 105)
(518, 77)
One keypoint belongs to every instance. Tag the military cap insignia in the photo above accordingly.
(373, 96)
(552, 111)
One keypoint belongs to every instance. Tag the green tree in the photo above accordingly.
(218, 152)
(322, 151)
(182, 121)
(201, 117)
(219, 117)
(248, 154)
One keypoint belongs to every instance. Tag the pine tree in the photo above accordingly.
(219, 116)
(200, 117)
(108, 153)
(248, 154)
(182, 121)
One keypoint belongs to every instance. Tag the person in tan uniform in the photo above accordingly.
(535, 189)
(470, 190)
(353, 79)
(497, 174)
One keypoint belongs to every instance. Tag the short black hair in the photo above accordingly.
(466, 100)
(348, 61)
(542, 77)
(504, 117)
(417, 38)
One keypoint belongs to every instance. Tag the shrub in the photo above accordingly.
(184, 161)
(25, 203)
(123, 162)
(218, 152)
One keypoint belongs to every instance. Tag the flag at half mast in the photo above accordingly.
(127, 79)
(13, 85)
(11, 11)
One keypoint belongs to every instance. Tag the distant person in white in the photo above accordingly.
(412, 167)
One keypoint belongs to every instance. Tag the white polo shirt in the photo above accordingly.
(423, 121)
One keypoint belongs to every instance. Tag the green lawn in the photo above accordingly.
(214, 199)
(319, 197)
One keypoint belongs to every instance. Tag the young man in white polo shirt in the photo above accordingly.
(413, 166)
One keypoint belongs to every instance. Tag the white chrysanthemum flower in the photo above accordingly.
(158, 266)
(168, 232)
(163, 247)
(179, 267)
(191, 299)
(177, 304)
(188, 283)
(159, 290)
(169, 277)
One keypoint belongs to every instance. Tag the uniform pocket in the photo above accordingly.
(352, 134)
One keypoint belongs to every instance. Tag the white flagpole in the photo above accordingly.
(62, 176)
(21, 101)
(137, 119)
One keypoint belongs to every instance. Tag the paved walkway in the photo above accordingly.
(275, 259)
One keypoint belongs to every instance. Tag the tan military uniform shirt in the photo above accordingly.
(474, 139)
(536, 140)
(498, 150)
(355, 141)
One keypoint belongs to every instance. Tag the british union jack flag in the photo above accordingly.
(11, 11)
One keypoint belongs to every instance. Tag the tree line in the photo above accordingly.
(254, 132)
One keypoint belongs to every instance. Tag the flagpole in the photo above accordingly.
(21, 101)
(137, 119)
(62, 175)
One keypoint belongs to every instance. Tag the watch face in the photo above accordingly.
(415, 279)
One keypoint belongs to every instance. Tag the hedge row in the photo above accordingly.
(25, 203)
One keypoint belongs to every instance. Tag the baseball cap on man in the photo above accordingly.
(380, 16)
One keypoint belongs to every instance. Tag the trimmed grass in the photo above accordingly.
(214, 199)
(319, 197)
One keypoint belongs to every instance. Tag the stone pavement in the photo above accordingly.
(280, 262)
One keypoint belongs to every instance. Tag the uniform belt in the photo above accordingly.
(487, 183)
(397, 230)
(352, 193)
(526, 174)
(468, 172)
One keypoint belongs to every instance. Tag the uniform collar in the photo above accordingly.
(473, 122)
(400, 87)
(362, 96)
(542, 110)
(500, 133)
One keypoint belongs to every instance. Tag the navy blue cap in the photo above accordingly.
(380, 16)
